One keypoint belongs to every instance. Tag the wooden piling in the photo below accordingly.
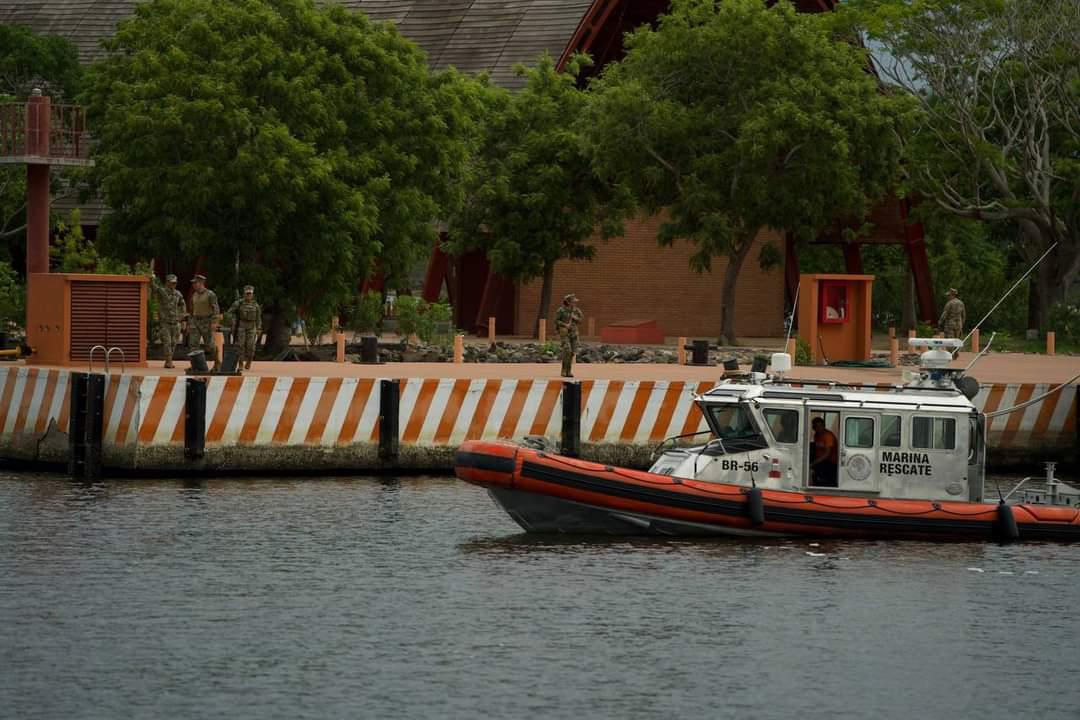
(459, 349)
(975, 340)
(1051, 342)
(680, 350)
(219, 344)
(894, 351)
(541, 331)
(339, 339)
(892, 332)
(491, 330)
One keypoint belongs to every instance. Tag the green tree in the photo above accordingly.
(27, 61)
(290, 144)
(998, 136)
(735, 117)
(532, 197)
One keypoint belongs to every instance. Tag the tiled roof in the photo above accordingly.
(471, 35)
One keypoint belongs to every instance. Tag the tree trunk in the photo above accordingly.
(545, 296)
(278, 331)
(907, 319)
(731, 276)
(1052, 281)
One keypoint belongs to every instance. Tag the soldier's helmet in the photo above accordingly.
(199, 278)
(952, 291)
(569, 297)
(249, 289)
(170, 278)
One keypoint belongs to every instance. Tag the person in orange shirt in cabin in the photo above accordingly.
(826, 455)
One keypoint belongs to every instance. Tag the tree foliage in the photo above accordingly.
(290, 144)
(532, 197)
(27, 61)
(734, 117)
(998, 136)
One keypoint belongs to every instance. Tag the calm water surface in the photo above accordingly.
(419, 599)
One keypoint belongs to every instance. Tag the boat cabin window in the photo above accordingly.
(784, 425)
(933, 433)
(891, 430)
(859, 432)
(735, 428)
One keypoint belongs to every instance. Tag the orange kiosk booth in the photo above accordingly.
(834, 316)
(67, 315)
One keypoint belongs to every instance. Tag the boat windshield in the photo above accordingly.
(735, 427)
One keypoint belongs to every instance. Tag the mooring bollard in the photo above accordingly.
(894, 351)
(681, 349)
(1051, 342)
(570, 442)
(389, 405)
(699, 354)
(194, 418)
(975, 340)
(541, 331)
(459, 349)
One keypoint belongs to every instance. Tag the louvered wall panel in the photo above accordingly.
(124, 319)
(89, 319)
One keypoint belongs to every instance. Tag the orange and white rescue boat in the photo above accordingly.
(784, 459)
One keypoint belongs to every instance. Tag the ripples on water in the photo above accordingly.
(420, 599)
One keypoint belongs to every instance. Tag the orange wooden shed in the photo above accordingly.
(68, 314)
(834, 316)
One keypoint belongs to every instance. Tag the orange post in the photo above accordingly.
(792, 344)
(541, 331)
(680, 350)
(892, 332)
(459, 349)
(491, 330)
(1051, 340)
(592, 327)
(219, 343)
(975, 340)
(894, 351)
(339, 337)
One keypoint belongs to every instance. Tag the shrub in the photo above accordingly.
(802, 352)
(366, 312)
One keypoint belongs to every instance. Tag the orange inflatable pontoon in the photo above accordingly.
(544, 492)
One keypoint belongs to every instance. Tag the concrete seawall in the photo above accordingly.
(288, 423)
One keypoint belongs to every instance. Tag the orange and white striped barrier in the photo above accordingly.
(142, 414)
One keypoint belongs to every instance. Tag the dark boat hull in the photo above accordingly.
(546, 493)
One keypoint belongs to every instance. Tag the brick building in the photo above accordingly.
(631, 277)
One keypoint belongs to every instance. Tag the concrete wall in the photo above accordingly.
(286, 424)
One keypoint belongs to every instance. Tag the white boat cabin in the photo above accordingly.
(915, 441)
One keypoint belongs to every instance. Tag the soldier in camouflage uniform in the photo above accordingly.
(953, 316)
(172, 311)
(567, 319)
(245, 315)
(205, 316)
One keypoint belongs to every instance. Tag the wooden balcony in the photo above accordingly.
(40, 133)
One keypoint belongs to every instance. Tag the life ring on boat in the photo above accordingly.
(858, 467)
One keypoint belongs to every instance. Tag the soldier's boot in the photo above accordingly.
(566, 368)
